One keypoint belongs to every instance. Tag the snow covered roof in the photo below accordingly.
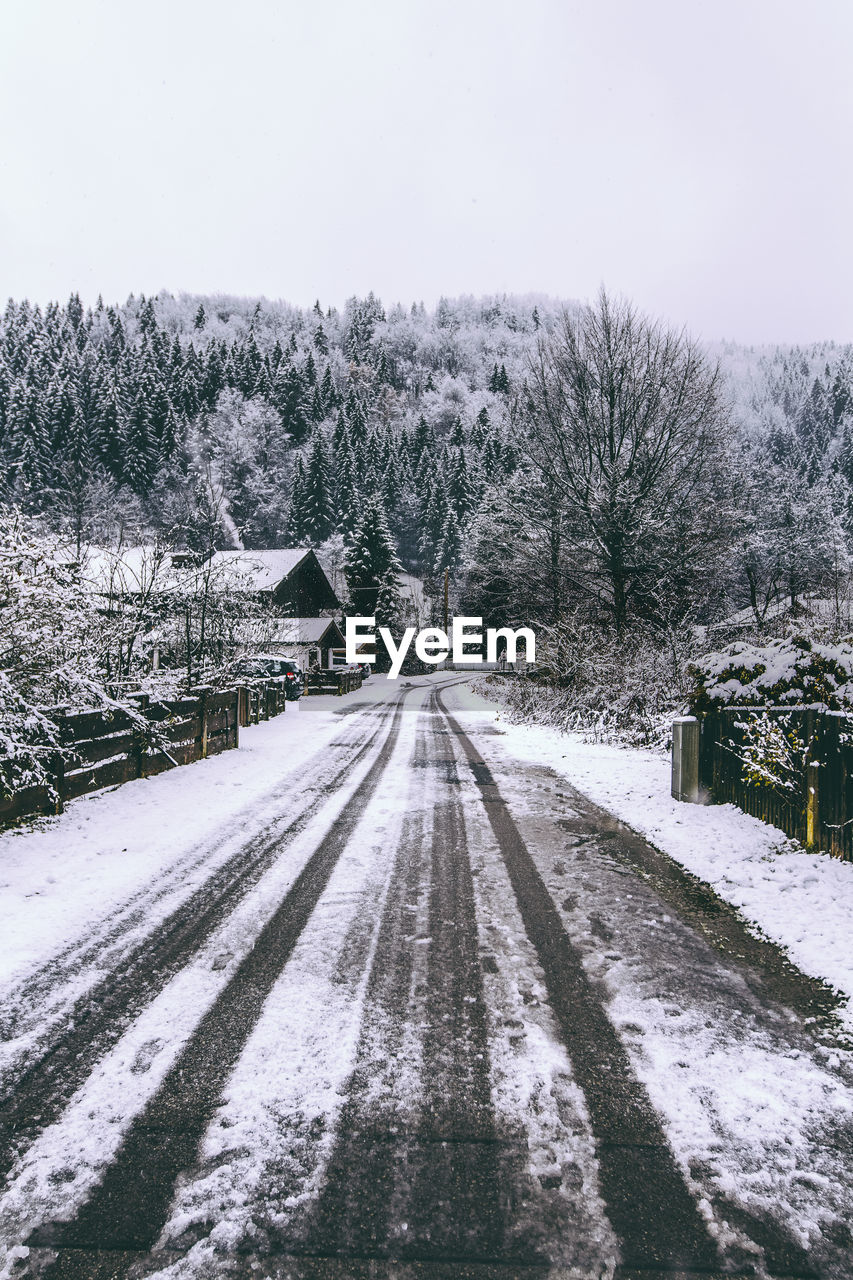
(126, 570)
(134, 570)
(302, 630)
(265, 568)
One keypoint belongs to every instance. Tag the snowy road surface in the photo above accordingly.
(371, 998)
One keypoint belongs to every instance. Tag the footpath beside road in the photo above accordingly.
(404, 1002)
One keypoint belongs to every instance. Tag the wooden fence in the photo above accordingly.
(335, 682)
(106, 748)
(790, 766)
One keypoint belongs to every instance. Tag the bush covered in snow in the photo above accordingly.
(29, 741)
(587, 683)
(782, 672)
(51, 648)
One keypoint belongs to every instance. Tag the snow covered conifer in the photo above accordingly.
(449, 550)
(347, 497)
(371, 559)
(317, 513)
(389, 603)
(296, 518)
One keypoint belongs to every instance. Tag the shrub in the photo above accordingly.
(792, 671)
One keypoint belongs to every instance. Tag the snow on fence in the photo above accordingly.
(106, 748)
(789, 766)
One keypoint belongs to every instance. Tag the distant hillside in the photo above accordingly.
(217, 420)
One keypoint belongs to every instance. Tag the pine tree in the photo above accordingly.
(371, 559)
(481, 429)
(457, 434)
(347, 496)
(213, 379)
(405, 522)
(356, 421)
(448, 555)
(423, 441)
(276, 356)
(341, 432)
(74, 310)
(296, 517)
(434, 511)
(288, 396)
(391, 487)
(327, 389)
(139, 447)
(461, 487)
(30, 445)
(317, 509)
(147, 316)
(389, 603)
(200, 317)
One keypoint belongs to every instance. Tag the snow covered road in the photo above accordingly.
(404, 1009)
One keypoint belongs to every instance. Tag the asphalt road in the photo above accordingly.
(470, 935)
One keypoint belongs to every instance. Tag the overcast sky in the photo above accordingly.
(693, 156)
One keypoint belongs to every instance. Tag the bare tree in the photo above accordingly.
(623, 421)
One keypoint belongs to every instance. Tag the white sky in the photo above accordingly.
(694, 155)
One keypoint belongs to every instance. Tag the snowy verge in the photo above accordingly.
(800, 900)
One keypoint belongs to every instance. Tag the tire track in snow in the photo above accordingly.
(127, 1210)
(98, 1019)
(32, 999)
(722, 1059)
(648, 1203)
(419, 1174)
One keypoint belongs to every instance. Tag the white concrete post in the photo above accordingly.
(685, 759)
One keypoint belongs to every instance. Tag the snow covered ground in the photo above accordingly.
(58, 875)
(755, 1114)
(801, 900)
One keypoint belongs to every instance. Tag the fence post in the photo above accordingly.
(685, 759)
(59, 715)
(143, 701)
(202, 711)
(812, 804)
(237, 718)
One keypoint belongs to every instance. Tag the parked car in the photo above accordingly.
(258, 665)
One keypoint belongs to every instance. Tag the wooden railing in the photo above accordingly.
(804, 786)
(106, 748)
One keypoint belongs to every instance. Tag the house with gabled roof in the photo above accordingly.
(292, 579)
(310, 641)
